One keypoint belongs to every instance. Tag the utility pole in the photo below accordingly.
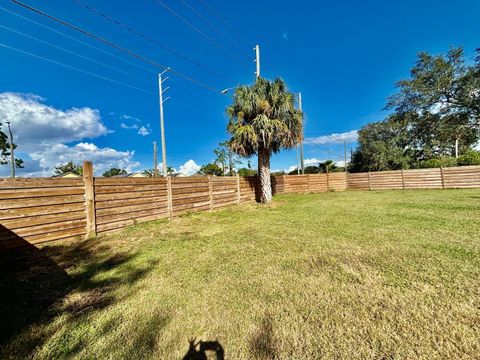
(257, 60)
(155, 162)
(12, 155)
(302, 164)
(162, 126)
(456, 148)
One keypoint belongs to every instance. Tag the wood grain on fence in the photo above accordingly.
(40, 210)
(120, 202)
(310, 183)
(448, 178)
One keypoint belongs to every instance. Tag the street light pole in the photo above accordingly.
(12, 155)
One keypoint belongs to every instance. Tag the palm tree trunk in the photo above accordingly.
(264, 176)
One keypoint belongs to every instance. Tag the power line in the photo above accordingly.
(74, 53)
(209, 23)
(238, 60)
(77, 40)
(151, 40)
(225, 22)
(75, 68)
(118, 47)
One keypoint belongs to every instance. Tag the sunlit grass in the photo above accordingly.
(347, 275)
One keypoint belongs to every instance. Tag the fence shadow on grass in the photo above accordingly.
(38, 285)
(202, 349)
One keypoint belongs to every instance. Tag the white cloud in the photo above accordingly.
(42, 133)
(349, 136)
(35, 123)
(189, 168)
(477, 147)
(128, 127)
(144, 131)
(102, 158)
(128, 117)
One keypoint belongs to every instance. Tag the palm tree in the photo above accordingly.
(263, 120)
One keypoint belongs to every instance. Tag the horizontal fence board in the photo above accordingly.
(129, 208)
(39, 201)
(39, 192)
(129, 181)
(21, 222)
(33, 183)
(132, 215)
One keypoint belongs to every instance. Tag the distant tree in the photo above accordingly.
(382, 146)
(278, 173)
(5, 150)
(312, 169)
(263, 120)
(471, 157)
(211, 169)
(68, 167)
(246, 172)
(444, 161)
(148, 172)
(294, 172)
(328, 166)
(436, 107)
(114, 172)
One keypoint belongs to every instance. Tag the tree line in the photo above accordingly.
(435, 119)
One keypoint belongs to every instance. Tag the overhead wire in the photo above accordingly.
(151, 40)
(76, 54)
(216, 14)
(226, 51)
(118, 47)
(215, 28)
(78, 40)
(75, 68)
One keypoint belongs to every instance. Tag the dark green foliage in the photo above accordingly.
(114, 172)
(69, 167)
(247, 172)
(444, 161)
(437, 106)
(470, 157)
(211, 169)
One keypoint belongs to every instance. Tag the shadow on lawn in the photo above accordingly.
(201, 350)
(72, 279)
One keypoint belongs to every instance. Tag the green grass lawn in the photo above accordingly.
(345, 275)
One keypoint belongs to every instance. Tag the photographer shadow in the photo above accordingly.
(204, 350)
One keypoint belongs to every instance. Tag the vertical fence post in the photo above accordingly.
(443, 177)
(210, 191)
(91, 226)
(369, 182)
(238, 188)
(328, 179)
(169, 197)
(403, 180)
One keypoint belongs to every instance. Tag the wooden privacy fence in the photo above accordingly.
(309, 183)
(40, 210)
(35, 211)
(443, 178)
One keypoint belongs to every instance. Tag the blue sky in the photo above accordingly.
(344, 57)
